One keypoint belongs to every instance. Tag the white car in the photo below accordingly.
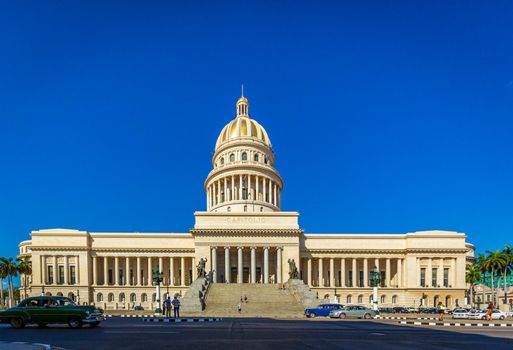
(460, 313)
(481, 315)
(412, 310)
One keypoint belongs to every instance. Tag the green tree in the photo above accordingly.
(495, 261)
(481, 258)
(3, 275)
(11, 269)
(25, 269)
(508, 252)
(472, 276)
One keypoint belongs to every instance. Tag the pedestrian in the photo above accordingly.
(245, 299)
(176, 307)
(241, 299)
(239, 307)
(489, 311)
(441, 314)
(167, 302)
(164, 307)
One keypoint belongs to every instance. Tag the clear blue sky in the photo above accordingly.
(386, 117)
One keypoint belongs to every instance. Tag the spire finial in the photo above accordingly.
(242, 90)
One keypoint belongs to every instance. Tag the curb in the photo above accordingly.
(128, 316)
(180, 320)
(404, 318)
(456, 324)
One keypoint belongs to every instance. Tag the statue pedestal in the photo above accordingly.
(302, 292)
(194, 298)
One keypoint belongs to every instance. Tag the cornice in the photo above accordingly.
(144, 250)
(258, 232)
(43, 248)
(383, 251)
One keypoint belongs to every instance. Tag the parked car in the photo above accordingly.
(509, 314)
(400, 310)
(386, 310)
(355, 311)
(322, 310)
(44, 310)
(481, 315)
(429, 310)
(137, 308)
(412, 310)
(460, 313)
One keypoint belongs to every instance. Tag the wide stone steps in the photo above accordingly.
(264, 300)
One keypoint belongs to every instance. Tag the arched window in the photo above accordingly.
(232, 157)
(59, 294)
(255, 157)
(245, 208)
(99, 297)
(133, 298)
(229, 209)
(394, 299)
(222, 161)
(349, 299)
(122, 297)
(110, 297)
(154, 297)
(144, 297)
(383, 299)
(244, 156)
(360, 299)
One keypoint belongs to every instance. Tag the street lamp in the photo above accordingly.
(43, 290)
(158, 277)
(78, 296)
(375, 280)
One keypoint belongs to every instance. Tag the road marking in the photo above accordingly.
(143, 331)
(377, 334)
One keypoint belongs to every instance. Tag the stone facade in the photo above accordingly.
(246, 238)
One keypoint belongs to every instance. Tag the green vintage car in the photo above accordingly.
(44, 310)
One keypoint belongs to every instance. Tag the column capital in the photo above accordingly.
(213, 247)
(227, 247)
(253, 247)
(240, 247)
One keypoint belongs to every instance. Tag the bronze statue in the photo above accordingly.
(293, 273)
(201, 268)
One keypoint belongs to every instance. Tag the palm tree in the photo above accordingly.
(11, 269)
(25, 269)
(494, 261)
(3, 275)
(481, 258)
(508, 251)
(472, 276)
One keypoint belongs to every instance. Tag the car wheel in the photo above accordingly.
(483, 318)
(75, 322)
(94, 324)
(312, 315)
(367, 316)
(342, 316)
(17, 323)
(501, 318)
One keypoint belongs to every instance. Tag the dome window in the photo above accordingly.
(232, 157)
(244, 156)
(229, 209)
(255, 157)
(222, 161)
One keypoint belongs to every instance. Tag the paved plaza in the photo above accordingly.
(250, 333)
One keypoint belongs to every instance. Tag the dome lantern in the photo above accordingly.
(242, 105)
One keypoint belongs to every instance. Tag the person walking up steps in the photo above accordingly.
(176, 307)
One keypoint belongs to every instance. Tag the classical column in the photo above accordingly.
(182, 267)
(274, 197)
(233, 188)
(227, 270)
(399, 273)
(279, 264)
(440, 276)
(194, 271)
(171, 271)
(376, 263)
(429, 273)
(309, 271)
(239, 265)
(365, 272)
(266, 264)
(387, 273)
(95, 270)
(240, 188)
(127, 272)
(105, 270)
(116, 270)
(44, 270)
(332, 272)
(342, 272)
(214, 264)
(257, 187)
(321, 272)
(354, 274)
(269, 190)
(138, 272)
(66, 262)
(452, 273)
(253, 265)
(225, 189)
(150, 272)
(55, 271)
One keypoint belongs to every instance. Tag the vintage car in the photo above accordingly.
(44, 310)
(355, 311)
(322, 310)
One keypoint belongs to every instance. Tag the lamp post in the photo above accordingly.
(375, 280)
(78, 296)
(42, 290)
(158, 277)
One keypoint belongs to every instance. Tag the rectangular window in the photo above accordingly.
(434, 283)
(50, 274)
(350, 279)
(446, 277)
(61, 274)
(360, 280)
(423, 277)
(72, 275)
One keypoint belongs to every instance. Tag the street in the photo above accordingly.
(117, 333)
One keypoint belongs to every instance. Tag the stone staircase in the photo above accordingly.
(264, 300)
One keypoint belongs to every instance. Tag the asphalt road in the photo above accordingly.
(120, 333)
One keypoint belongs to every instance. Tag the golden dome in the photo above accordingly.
(242, 99)
(243, 127)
